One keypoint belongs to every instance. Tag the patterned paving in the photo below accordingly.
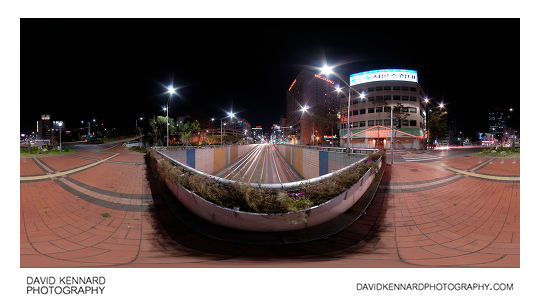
(114, 214)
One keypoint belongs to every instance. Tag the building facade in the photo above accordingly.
(317, 94)
(373, 94)
(45, 127)
(499, 121)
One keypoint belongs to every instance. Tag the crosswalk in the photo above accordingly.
(420, 157)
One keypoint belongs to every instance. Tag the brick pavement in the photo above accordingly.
(426, 217)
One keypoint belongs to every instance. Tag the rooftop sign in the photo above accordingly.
(382, 75)
(324, 78)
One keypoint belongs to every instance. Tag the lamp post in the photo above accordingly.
(138, 131)
(171, 90)
(60, 123)
(327, 70)
(229, 115)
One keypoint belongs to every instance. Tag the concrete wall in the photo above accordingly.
(209, 159)
(277, 222)
(311, 163)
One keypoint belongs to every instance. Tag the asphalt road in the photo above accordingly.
(432, 155)
(262, 165)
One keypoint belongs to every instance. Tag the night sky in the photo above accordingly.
(113, 70)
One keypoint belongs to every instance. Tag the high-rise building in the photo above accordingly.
(44, 127)
(499, 121)
(373, 95)
(317, 95)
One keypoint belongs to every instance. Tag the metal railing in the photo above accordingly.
(288, 185)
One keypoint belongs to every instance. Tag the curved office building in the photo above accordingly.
(373, 94)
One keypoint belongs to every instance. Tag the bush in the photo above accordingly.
(245, 197)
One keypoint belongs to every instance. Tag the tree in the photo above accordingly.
(399, 113)
(437, 125)
(158, 128)
(186, 130)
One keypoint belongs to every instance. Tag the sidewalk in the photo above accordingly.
(424, 215)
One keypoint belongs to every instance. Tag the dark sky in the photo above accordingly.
(112, 69)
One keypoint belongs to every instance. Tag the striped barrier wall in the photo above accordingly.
(312, 163)
(211, 159)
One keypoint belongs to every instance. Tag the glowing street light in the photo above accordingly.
(304, 109)
(441, 105)
(326, 70)
(60, 124)
(172, 91)
(230, 115)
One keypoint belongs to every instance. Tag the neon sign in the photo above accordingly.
(324, 78)
(383, 75)
(294, 82)
(378, 133)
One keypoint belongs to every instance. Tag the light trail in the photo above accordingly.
(261, 165)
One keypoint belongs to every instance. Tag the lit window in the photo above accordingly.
(412, 110)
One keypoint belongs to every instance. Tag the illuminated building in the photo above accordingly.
(44, 127)
(317, 94)
(370, 114)
(499, 121)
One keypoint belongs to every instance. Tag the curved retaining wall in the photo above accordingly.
(276, 222)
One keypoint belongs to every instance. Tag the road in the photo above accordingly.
(262, 165)
(432, 155)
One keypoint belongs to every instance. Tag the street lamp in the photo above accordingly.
(172, 91)
(230, 115)
(60, 123)
(327, 70)
(138, 131)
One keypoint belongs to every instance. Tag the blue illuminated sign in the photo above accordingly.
(383, 75)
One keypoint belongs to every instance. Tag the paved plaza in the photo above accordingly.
(100, 207)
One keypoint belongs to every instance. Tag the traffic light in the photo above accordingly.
(398, 123)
